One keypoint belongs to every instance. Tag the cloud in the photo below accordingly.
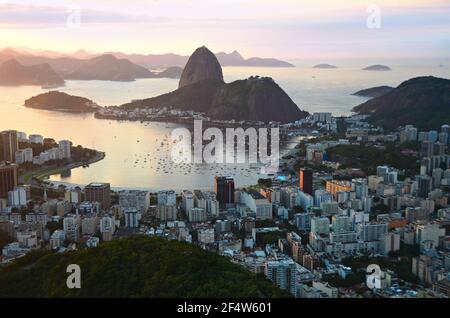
(29, 15)
(282, 27)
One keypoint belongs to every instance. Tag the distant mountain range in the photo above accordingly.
(12, 73)
(225, 59)
(109, 68)
(202, 89)
(422, 101)
(105, 67)
(151, 61)
(116, 66)
(61, 102)
(374, 91)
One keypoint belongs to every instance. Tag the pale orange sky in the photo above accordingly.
(281, 28)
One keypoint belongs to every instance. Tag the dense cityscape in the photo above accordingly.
(312, 229)
(216, 157)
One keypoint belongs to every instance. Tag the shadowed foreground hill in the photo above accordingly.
(422, 101)
(137, 266)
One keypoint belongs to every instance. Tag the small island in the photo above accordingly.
(325, 66)
(377, 67)
(59, 101)
(374, 91)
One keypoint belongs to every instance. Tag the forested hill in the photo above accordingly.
(137, 266)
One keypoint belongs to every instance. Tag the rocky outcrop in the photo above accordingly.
(202, 65)
(202, 89)
(256, 99)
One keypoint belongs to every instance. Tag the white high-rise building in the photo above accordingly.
(21, 136)
(282, 273)
(306, 200)
(73, 196)
(320, 225)
(57, 239)
(372, 231)
(392, 177)
(322, 196)
(71, 225)
(28, 155)
(166, 212)
(135, 199)
(17, 197)
(361, 188)
(341, 224)
(429, 232)
(322, 117)
(107, 228)
(207, 200)
(258, 204)
(206, 236)
(64, 146)
(36, 139)
(24, 155)
(197, 215)
(390, 242)
(167, 197)
(19, 157)
(187, 202)
(382, 171)
(90, 225)
(132, 217)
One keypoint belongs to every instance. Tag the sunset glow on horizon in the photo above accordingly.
(284, 29)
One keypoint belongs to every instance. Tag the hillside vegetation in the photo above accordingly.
(137, 266)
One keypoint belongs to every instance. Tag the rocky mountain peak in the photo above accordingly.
(202, 65)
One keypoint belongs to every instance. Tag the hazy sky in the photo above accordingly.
(278, 28)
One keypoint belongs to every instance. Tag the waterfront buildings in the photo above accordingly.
(65, 148)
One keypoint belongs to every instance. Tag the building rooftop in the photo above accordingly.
(255, 195)
(97, 185)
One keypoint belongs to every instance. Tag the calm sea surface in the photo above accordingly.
(137, 155)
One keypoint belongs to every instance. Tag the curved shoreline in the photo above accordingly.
(44, 174)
